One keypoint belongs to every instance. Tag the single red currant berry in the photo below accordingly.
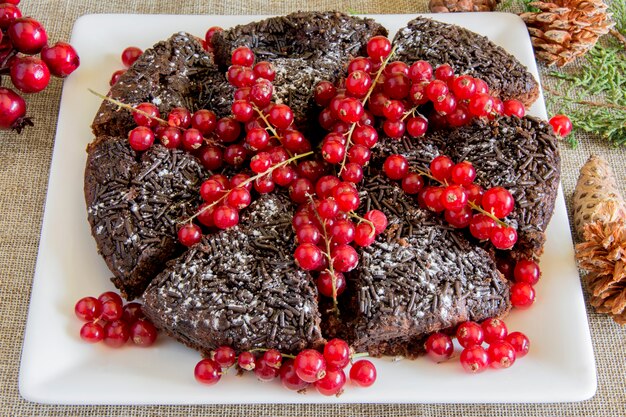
(463, 173)
(116, 333)
(111, 310)
(295, 141)
(453, 197)
(359, 154)
(364, 235)
(481, 105)
(352, 173)
(459, 117)
(522, 295)
(377, 103)
(505, 266)
(441, 168)
(264, 185)
(204, 120)
(430, 198)
(311, 170)
(396, 67)
(189, 234)
(324, 92)
(474, 193)
(417, 94)
(8, 13)
(347, 197)
(29, 74)
(350, 110)
(179, 117)
(141, 138)
(439, 347)
(332, 383)
(337, 354)
(116, 76)
(308, 257)
(526, 271)
(264, 70)
(88, 308)
(416, 126)
(342, 231)
(503, 238)
(412, 183)
(444, 72)
(474, 359)
(243, 56)
(192, 139)
(308, 233)
(325, 185)
(481, 226)
(263, 371)
(225, 217)
(284, 175)
(225, 356)
(273, 358)
(464, 87)
(363, 373)
(209, 35)
(211, 190)
(238, 180)
(436, 90)
(397, 86)
(300, 189)
(501, 354)
(239, 198)
(289, 378)
(227, 129)
(235, 154)
(514, 108)
(205, 214)
(344, 258)
(520, 343)
(333, 151)
(498, 201)
(260, 162)
(27, 35)
(358, 83)
(242, 110)
(143, 333)
(378, 218)
(211, 156)
(130, 55)
(459, 218)
(61, 58)
(396, 167)
(327, 208)
(147, 115)
(325, 284)
(261, 93)
(246, 361)
(132, 312)
(469, 334)
(561, 124)
(420, 71)
(359, 64)
(446, 104)
(92, 332)
(310, 365)
(494, 329)
(378, 48)
(12, 108)
(393, 110)
(481, 86)
(365, 135)
(280, 116)
(207, 372)
(239, 76)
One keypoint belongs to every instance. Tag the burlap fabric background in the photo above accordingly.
(24, 165)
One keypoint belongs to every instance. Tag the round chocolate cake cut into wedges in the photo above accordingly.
(134, 205)
(172, 73)
(240, 287)
(305, 48)
(420, 276)
(521, 155)
(468, 53)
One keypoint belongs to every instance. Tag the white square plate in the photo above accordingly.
(57, 367)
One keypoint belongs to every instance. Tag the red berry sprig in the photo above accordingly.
(457, 196)
(108, 319)
(324, 370)
(21, 39)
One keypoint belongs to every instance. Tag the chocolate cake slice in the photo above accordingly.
(468, 53)
(172, 73)
(304, 47)
(420, 276)
(240, 287)
(521, 155)
(134, 205)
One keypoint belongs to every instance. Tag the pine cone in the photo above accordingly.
(445, 6)
(566, 29)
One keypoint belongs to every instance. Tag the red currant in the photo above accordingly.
(189, 234)
(430, 198)
(514, 108)
(337, 354)
(364, 234)
(469, 334)
(141, 138)
(27, 35)
(209, 35)
(494, 330)
(346, 196)
(130, 55)
(342, 232)
(264, 70)
(29, 74)
(503, 237)
(12, 108)
(344, 258)
(280, 116)
(116, 76)
(207, 372)
(474, 193)
(332, 383)
(143, 333)
(446, 104)
(192, 139)
(261, 93)
(308, 257)
(263, 371)
(464, 87)
(8, 13)
(111, 310)
(88, 308)
(436, 90)
(481, 226)
(474, 359)
(239, 198)
(481, 105)
(310, 365)
(441, 168)
(561, 124)
(412, 183)
(453, 197)
(132, 312)
(459, 218)
(179, 117)
(148, 115)
(363, 373)
(365, 135)
(242, 56)
(463, 173)
(325, 283)
(289, 378)
(61, 59)
(359, 64)
(225, 356)
(444, 72)
(116, 333)
(420, 71)
(498, 201)
(225, 217)
(396, 167)
(526, 271)
(246, 361)
(439, 347)
(522, 295)
(501, 354)
(358, 83)
(397, 85)
(377, 218)
(378, 48)
(92, 332)
(416, 126)
(520, 343)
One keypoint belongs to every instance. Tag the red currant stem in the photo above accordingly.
(330, 269)
(284, 355)
(358, 355)
(378, 74)
(473, 205)
(128, 107)
(246, 182)
(411, 112)
(348, 145)
(363, 220)
(6, 59)
(267, 122)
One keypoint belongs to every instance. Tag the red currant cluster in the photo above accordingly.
(129, 56)
(524, 274)
(503, 349)
(458, 197)
(325, 371)
(20, 39)
(110, 320)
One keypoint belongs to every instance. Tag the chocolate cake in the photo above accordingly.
(468, 53)
(134, 204)
(420, 276)
(240, 287)
(304, 47)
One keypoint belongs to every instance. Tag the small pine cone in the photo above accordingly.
(566, 29)
(446, 6)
